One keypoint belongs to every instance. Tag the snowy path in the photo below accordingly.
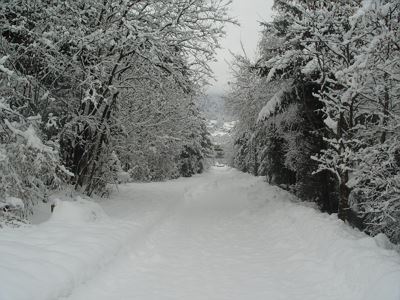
(226, 235)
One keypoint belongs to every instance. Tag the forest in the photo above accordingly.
(94, 93)
(319, 111)
(109, 93)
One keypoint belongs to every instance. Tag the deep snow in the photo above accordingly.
(221, 235)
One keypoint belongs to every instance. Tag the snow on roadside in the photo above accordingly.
(215, 231)
(49, 260)
(235, 238)
(321, 249)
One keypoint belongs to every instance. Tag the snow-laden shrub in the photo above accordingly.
(106, 172)
(140, 172)
(156, 164)
(123, 177)
(11, 212)
(28, 168)
(376, 189)
(190, 161)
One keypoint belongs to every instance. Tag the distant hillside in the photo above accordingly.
(213, 107)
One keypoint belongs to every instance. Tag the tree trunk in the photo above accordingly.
(255, 161)
(343, 205)
(344, 192)
(385, 114)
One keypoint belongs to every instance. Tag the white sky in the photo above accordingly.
(248, 13)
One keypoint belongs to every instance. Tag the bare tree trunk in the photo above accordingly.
(344, 192)
(255, 171)
(385, 114)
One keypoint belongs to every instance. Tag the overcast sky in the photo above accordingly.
(248, 13)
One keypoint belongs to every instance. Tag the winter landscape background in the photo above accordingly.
(199, 149)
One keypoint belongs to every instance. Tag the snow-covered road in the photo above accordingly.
(223, 235)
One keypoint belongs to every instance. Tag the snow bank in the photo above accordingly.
(78, 211)
(317, 248)
(49, 260)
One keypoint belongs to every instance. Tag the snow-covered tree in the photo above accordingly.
(343, 55)
(75, 73)
(347, 48)
(375, 183)
(29, 168)
(329, 47)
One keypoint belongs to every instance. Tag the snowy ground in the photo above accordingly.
(223, 235)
